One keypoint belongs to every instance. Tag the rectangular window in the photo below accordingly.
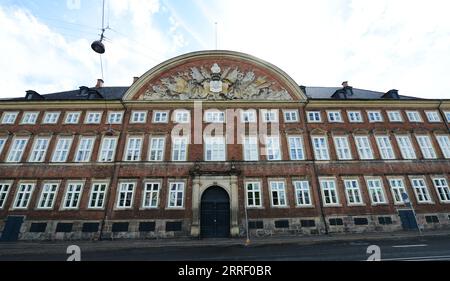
(62, 150)
(157, 145)
(251, 149)
(9, 118)
(215, 149)
(179, 149)
(334, 116)
(51, 118)
(376, 192)
(329, 192)
(353, 192)
(397, 188)
(98, 195)
(48, 196)
(2, 144)
(93, 118)
(160, 117)
(394, 116)
(182, 116)
(433, 116)
(442, 189)
(253, 194)
(355, 116)
(4, 191)
(23, 196)
(126, 195)
(248, 116)
(291, 116)
(278, 193)
(151, 195)
(364, 147)
(214, 116)
(320, 148)
(342, 148)
(29, 118)
(16, 151)
(73, 195)
(302, 193)
(176, 195)
(414, 116)
(115, 117)
(269, 115)
(314, 116)
(447, 115)
(296, 148)
(134, 146)
(39, 150)
(426, 147)
(444, 143)
(72, 118)
(84, 151)
(374, 116)
(385, 147)
(406, 148)
(138, 117)
(421, 190)
(108, 150)
(273, 151)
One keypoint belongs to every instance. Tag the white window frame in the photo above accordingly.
(54, 120)
(99, 190)
(26, 118)
(442, 189)
(342, 146)
(433, 116)
(48, 196)
(73, 194)
(84, 151)
(329, 191)
(421, 191)
(447, 115)
(321, 153)
(115, 117)
(214, 116)
(394, 116)
(215, 149)
(15, 153)
(58, 140)
(273, 148)
(377, 194)
(353, 192)
(406, 149)
(178, 148)
(372, 113)
(296, 148)
(7, 116)
(291, 116)
(256, 192)
(72, 115)
(27, 195)
(180, 188)
(443, 141)
(426, 146)
(5, 188)
(2, 144)
(149, 193)
(414, 116)
(303, 195)
(364, 147)
(158, 152)
(161, 113)
(334, 116)
(136, 117)
(314, 114)
(107, 151)
(124, 189)
(248, 116)
(133, 152)
(250, 146)
(37, 153)
(90, 120)
(355, 117)
(269, 115)
(278, 187)
(385, 147)
(181, 116)
(397, 188)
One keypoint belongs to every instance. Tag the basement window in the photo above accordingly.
(147, 226)
(38, 227)
(282, 224)
(361, 221)
(336, 222)
(90, 227)
(385, 220)
(173, 226)
(120, 227)
(308, 223)
(64, 227)
(255, 225)
(432, 219)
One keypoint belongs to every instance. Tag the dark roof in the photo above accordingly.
(358, 94)
(84, 93)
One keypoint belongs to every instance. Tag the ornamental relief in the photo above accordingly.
(230, 83)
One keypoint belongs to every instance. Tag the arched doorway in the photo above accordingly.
(215, 213)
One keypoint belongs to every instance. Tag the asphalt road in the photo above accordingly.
(429, 248)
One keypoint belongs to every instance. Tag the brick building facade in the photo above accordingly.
(213, 144)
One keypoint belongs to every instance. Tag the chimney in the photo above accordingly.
(100, 83)
(135, 79)
(345, 84)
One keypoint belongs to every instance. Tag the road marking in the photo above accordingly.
(410, 246)
(429, 258)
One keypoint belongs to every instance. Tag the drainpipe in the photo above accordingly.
(443, 115)
(315, 179)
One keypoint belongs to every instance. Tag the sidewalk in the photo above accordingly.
(87, 246)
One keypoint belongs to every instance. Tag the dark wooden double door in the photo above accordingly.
(215, 213)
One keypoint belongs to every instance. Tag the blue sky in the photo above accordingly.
(377, 45)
